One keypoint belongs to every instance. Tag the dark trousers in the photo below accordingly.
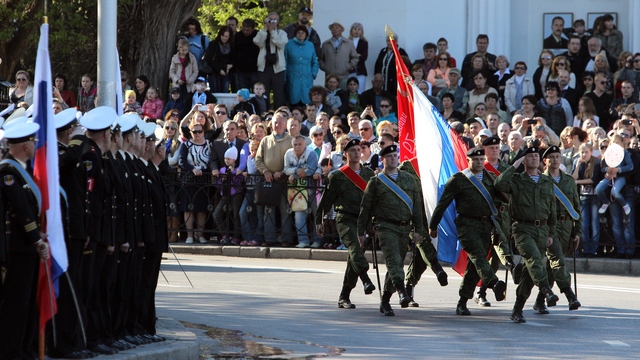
(107, 289)
(92, 271)
(132, 325)
(273, 81)
(18, 310)
(122, 295)
(244, 80)
(149, 281)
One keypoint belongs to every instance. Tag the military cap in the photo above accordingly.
(531, 150)
(19, 112)
(550, 150)
(99, 119)
(66, 118)
(21, 130)
(127, 122)
(389, 150)
(140, 125)
(351, 143)
(150, 131)
(493, 140)
(160, 140)
(476, 151)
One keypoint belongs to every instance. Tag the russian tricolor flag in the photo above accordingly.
(46, 176)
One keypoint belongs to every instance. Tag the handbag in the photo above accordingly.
(204, 66)
(267, 194)
(271, 59)
(297, 197)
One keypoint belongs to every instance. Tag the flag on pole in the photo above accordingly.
(119, 97)
(46, 176)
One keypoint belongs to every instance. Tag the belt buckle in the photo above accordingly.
(563, 217)
(536, 223)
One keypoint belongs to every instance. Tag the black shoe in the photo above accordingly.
(126, 344)
(134, 340)
(154, 338)
(404, 297)
(90, 354)
(369, 288)
(461, 309)
(412, 303)
(143, 340)
(75, 355)
(104, 350)
(386, 309)
(517, 317)
(345, 303)
(442, 278)
(552, 299)
(574, 304)
(119, 346)
(499, 290)
(540, 307)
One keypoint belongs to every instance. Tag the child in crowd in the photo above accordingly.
(251, 216)
(243, 104)
(184, 68)
(176, 102)
(153, 105)
(259, 101)
(201, 95)
(231, 191)
(131, 105)
(616, 179)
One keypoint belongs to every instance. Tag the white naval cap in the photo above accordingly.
(150, 131)
(22, 129)
(65, 118)
(127, 122)
(19, 112)
(99, 119)
(141, 125)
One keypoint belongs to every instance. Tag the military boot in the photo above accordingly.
(539, 305)
(552, 298)
(385, 307)
(412, 302)
(343, 300)
(499, 290)
(461, 308)
(369, 288)
(404, 297)
(574, 304)
(481, 297)
(440, 273)
(515, 270)
(516, 314)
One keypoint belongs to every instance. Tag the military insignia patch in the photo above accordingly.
(88, 165)
(8, 180)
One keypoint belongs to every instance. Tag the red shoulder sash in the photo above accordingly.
(356, 179)
(491, 169)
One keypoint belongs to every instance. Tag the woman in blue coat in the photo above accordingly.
(302, 66)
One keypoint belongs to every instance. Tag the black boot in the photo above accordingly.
(343, 300)
(539, 305)
(481, 297)
(440, 273)
(515, 270)
(461, 308)
(499, 290)
(385, 307)
(404, 297)
(552, 298)
(412, 302)
(369, 288)
(574, 304)
(516, 314)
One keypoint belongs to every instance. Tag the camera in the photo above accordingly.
(244, 116)
(626, 122)
(532, 121)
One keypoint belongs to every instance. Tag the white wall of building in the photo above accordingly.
(515, 27)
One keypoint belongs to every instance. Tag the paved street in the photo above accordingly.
(288, 309)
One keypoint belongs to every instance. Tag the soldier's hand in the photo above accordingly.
(433, 233)
(549, 241)
(362, 239)
(124, 248)
(320, 229)
(517, 163)
(43, 249)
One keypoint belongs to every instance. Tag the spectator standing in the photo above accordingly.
(386, 65)
(460, 94)
(231, 180)
(245, 66)
(586, 111)
(555, 110)
(87, 94)
(336, 97)
(271, 62)
(220, 56)
(482, 43)
(631, 72)
(609, 35)
(356, 35)
(352, 96)
(595, 48)
(541, 75)
(566, 91)
(443, 46)
(601, 100)
(252, 221)
(67, 95)
(304, 19)
(627, 98)
(176, 102)
(500, 78)
(302, 66)
(321, 148)
(517, 87)
(587, 174)
(198, 42)
(560, 63)
(616, 178)
(602, 67)
(184, 69)
(338, 54)
(576, 58)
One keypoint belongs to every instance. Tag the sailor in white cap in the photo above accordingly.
(21, 256)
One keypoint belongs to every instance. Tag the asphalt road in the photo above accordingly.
(288, 309)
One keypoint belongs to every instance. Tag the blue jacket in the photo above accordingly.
(302, 68)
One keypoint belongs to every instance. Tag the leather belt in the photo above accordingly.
(534, 222)
(479, 218)
(394, 222)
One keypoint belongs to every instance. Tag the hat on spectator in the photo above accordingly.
(99, 119)
(22, 130)
(336, 22)
(66, 118)
(476, 151)
(175, 89)
(315, 129)
(389, 150)
(244, 93)
(231, 153)
(476, 119)
(455, 71)
(127, 123)
(306, 9)
(351, 143)
(129, 93)
(531, 150)
(150, 131)
(485, 132)
(17, 113)
(493, 140)
(201, 79)
(550, 150)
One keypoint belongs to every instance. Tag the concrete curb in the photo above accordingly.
(588, 266)
(180, 344)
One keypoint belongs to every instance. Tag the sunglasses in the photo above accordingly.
(197, 131)
(221, 113)
(268, 119)
(336, 133)
(395, 129)
(169, 128)
(545, 57)
(443, 59)
(603, 82)
(561, 64)
(624, 135)
(603, 147)
(385, 106)
(174, 114)
(317, 134)
(124, 80)
(519, 68)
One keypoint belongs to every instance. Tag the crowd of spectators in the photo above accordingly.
(582, 96)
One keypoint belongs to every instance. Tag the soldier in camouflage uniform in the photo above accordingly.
(397, 212)
(474, 224)
(346, 195)
(565, 228)
(533, 210)
(424, 253)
